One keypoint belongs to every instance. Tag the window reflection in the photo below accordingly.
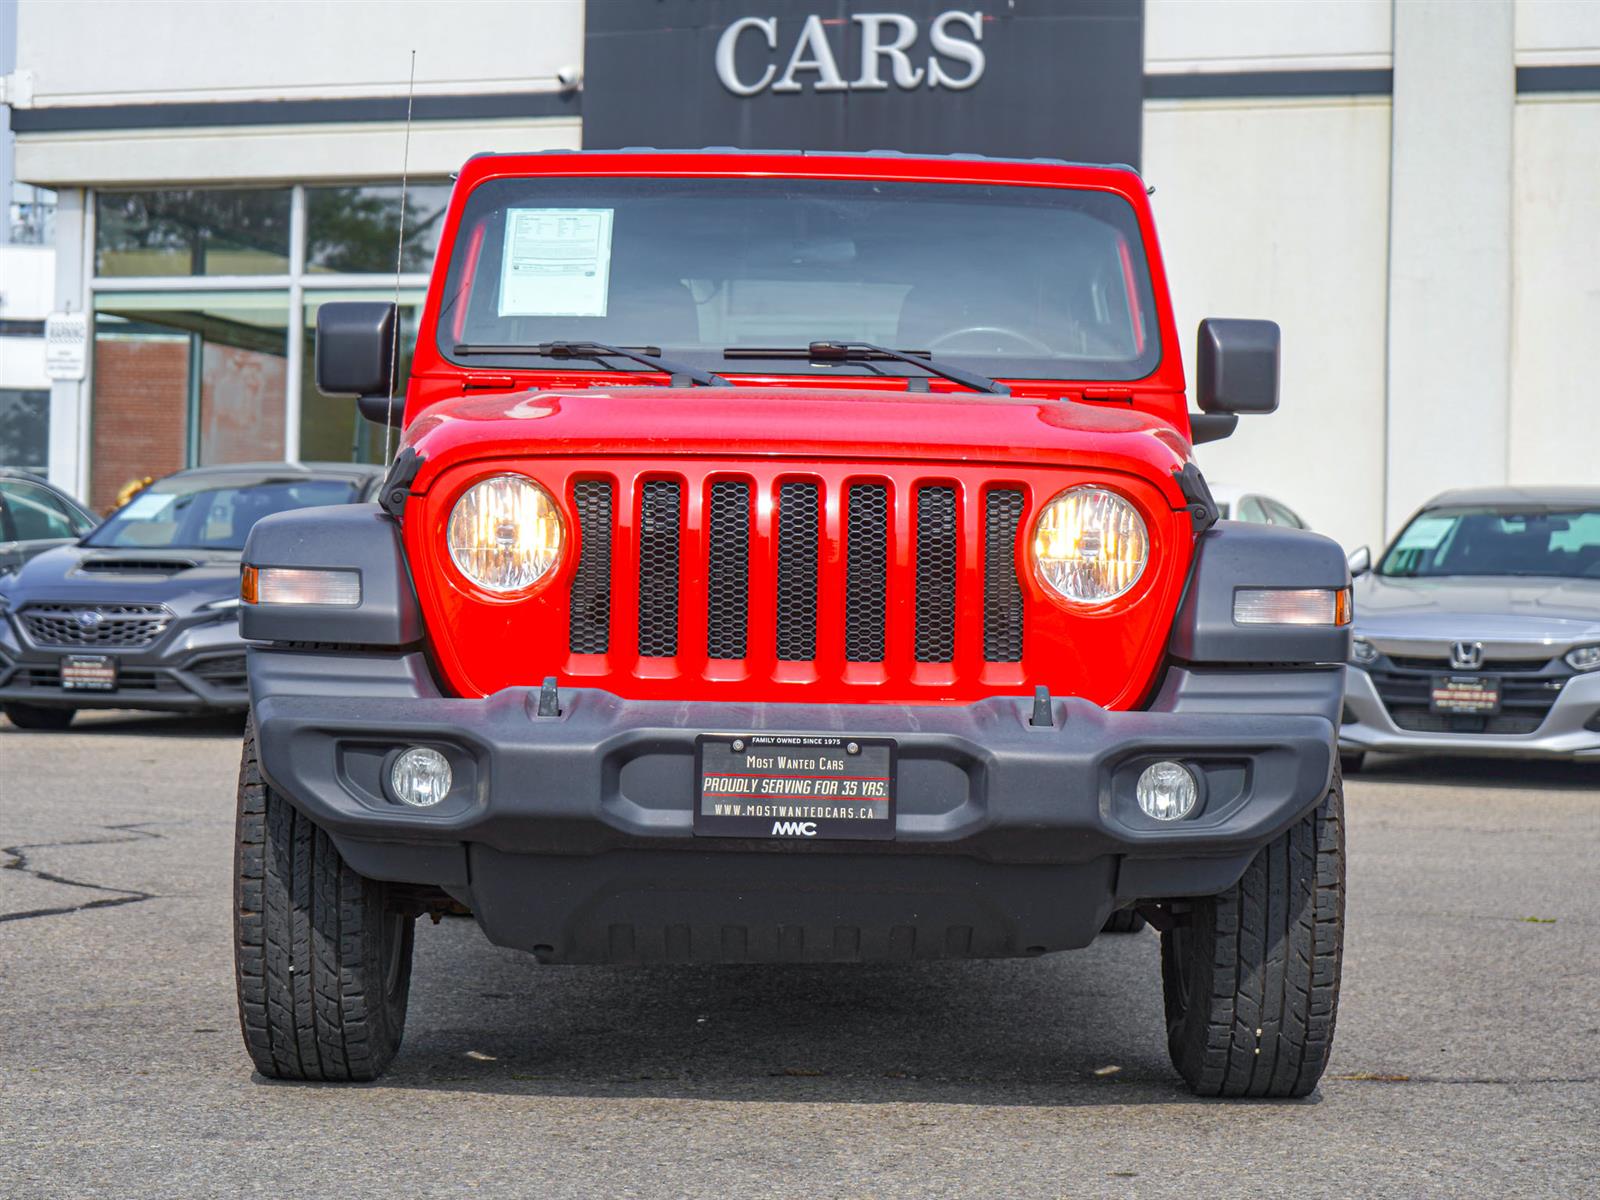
(192, 231)
(185, 380)
(353, 229)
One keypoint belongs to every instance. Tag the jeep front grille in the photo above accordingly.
(797, 559)
(73, 626)
(762, 579)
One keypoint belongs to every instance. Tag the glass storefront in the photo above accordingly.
(196, 292)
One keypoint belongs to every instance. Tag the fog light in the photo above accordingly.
(1363, 651)
(1167, 791)
(420, 777)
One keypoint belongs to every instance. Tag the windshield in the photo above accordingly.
(210, 513)
(1498, 541)
(1010, 282)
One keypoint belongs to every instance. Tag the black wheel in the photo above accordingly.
(1251, 978)
(37, 716)
(1124, 920)
(323, 968)
(1351, 761)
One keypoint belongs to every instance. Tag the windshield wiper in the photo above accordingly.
(650, 356)
(867, 352)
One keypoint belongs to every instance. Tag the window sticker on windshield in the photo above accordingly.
(147, 507)
(557, 262)
(1425, 533)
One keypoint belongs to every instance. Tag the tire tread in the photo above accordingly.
(309, 953)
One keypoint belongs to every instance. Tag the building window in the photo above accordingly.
(25, 428)
(31, 215)
(195, 296)
(192, 231)
(186, 380)
(352, 229)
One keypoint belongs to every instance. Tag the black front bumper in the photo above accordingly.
(572, 835)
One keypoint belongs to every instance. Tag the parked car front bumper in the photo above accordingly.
(1570, 729)
(196, 664)
(572, 835)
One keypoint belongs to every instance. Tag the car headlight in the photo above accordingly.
(1090, 545)
(505, 533)
(1363, 651)
(1584, 658)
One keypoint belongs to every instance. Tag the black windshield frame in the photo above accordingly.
(850, 237)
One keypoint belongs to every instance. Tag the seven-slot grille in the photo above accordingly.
(787, 601)
(76, 626)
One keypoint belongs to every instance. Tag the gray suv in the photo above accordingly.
(143, 612)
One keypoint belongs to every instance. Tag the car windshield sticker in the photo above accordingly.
(147, 507)
(1425, 533)
(557, 262)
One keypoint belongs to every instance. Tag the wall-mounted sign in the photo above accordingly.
(887, 40)
(1023, 78)
(66, 345)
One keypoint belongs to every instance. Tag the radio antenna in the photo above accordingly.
(399, 261)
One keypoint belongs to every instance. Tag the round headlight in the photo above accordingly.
(1090, 545)
(505, 533)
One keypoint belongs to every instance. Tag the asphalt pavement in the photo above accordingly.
(1467, 1059)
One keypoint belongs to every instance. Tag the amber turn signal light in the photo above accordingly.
(1292, 606)
(249, 585)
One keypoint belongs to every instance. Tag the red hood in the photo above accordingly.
(800, 423)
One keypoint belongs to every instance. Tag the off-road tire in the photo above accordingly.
(1124, 920)
(1251, 977)
(323, 969)
(38, 716)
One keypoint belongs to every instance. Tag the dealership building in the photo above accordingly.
(1411, 188)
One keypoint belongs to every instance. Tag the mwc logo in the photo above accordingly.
(957, 60)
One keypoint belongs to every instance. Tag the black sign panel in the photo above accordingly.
(797, 786)
(1011, 78)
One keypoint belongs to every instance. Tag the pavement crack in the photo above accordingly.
(115, 897)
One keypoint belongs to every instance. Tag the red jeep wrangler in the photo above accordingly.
(794, 558)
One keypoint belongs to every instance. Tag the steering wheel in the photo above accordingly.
(1022, 339)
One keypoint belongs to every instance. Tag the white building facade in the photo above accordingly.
(1410, 187)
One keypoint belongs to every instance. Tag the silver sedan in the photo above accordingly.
(1479, 630)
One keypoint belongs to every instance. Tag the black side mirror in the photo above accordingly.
(1236, 367)
(355, 354)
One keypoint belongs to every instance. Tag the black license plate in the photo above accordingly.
(1473, 694)
(88, 673)
(794, 786)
